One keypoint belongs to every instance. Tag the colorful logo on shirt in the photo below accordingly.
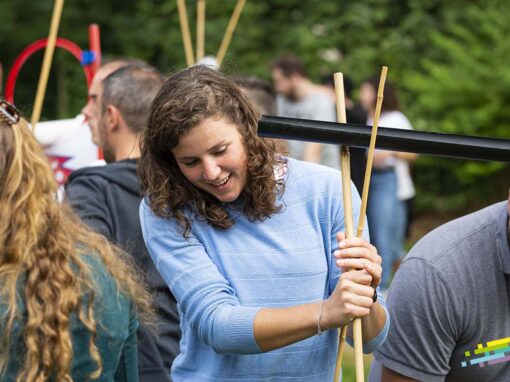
(497, 351)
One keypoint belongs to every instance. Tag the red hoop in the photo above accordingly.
(63, 43)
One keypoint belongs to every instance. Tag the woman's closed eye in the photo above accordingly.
(190, 163)
(193, 162)
(221, 151)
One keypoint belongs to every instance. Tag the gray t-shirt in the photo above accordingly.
(450, 304)
(319, 107)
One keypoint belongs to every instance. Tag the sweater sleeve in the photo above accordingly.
(205, 298)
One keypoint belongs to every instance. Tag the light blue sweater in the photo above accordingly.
(222, 278)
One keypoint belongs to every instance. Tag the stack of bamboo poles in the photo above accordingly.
(186, 35)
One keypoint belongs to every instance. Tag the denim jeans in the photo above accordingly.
(386, 220)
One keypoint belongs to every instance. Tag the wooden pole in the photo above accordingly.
(230, 31)
(370, 156)
(48, 56)
(186, 35)
(95, 46)
(200, 29)
(349, 233)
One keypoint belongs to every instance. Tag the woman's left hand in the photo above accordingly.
(357, 253)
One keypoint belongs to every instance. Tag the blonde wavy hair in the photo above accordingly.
(42, 264)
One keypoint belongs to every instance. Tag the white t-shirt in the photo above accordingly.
(68, 145)
(316, 106)
(397, 120)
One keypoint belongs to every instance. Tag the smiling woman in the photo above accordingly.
(248, 241)
(189, 118)
(212, 157)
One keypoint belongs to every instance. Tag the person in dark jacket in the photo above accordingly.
(107, 197)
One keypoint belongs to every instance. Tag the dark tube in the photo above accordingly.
(412, 141)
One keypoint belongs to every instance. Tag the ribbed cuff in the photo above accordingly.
(377, 341)
(234, 333)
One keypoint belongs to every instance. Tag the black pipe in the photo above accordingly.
(420, 142)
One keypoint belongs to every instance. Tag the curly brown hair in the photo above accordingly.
(45, 260)
(185, 100)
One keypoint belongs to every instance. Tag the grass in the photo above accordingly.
(349, 369)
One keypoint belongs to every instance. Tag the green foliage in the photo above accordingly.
(462, 88)
(448, 60)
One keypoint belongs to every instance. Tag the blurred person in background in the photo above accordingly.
(299, 97)
(391, 185)
(263, 98)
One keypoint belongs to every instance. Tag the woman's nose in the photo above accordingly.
(211, 170)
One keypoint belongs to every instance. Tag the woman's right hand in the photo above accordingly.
(352, 298)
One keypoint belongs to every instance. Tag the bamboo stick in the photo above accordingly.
(349, 233)
(370, 156)
(48, 56)
(230, 31)
(186, 35)
(200, 29)
(340, 353)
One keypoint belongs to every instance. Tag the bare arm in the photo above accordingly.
(372, 324)
(382, 156)
(278, 327)
(408, 157)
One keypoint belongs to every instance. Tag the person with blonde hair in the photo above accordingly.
(69, 301)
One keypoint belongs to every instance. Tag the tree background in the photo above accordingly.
(449, 61)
